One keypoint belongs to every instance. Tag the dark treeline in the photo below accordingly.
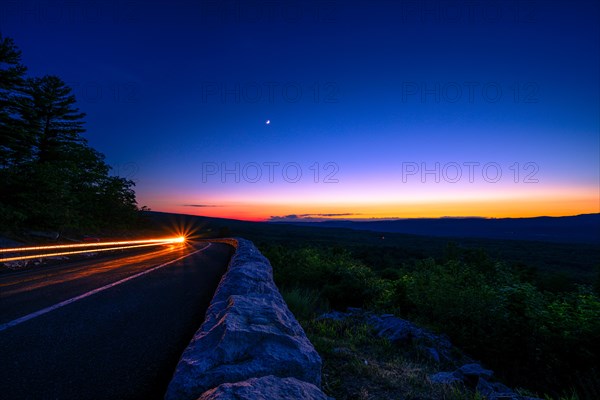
(50, 178)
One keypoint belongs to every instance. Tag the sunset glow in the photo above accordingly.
(558, 202)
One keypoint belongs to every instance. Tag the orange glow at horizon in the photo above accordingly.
(555, 202)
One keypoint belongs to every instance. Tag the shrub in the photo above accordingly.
(546, 341)
(304, 303)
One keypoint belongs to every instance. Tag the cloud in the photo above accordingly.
(200, 205)
(333, 215)
(309, 217)
(284, 217)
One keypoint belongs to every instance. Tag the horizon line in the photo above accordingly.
(372, 219)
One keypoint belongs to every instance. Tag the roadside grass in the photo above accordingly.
(359, 365)
(304, 303)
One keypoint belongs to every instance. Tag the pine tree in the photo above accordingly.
(12, 136)
(51, 118)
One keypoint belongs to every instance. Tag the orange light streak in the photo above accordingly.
(179, 239)
(64, 253)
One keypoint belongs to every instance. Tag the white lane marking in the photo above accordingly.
(91, 292)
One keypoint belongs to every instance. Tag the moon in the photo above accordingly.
(268, 122)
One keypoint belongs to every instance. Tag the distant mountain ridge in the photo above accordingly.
(583, 228)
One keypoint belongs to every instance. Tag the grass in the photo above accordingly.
(359, 365)
(304, 302)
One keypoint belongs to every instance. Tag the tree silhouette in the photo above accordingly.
(49, 176)
(12, 74)
(50, 118)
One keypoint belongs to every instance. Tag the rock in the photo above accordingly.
(473, 373)
(495, 391)
(394, 329)
(501, 388)
(475, 369)
(433, 353)
(484, 388)
(446, 378)
(333, 315)
(442, 342)
(265, 388)
(247, 278)
(402, 331)
(248, 332)
(399, 330)
(253, 337)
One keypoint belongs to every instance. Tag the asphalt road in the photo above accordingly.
(67, 333)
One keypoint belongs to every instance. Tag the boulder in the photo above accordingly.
(265, 388)
(401, 331)
(397, 330)
(445, 378)
(475, 369)
(333, 315)
(432, 353)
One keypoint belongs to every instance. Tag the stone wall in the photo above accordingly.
(250, 345)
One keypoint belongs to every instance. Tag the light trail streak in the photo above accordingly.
(86, 248)
(65, 253)
(179, 239)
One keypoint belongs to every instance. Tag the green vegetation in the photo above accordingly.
(50, 177)
(541, 340)
(359, 365)
(552, 266)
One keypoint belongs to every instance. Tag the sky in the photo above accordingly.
(281, 110)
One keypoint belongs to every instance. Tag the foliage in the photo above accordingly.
(50, 177)
(304, 303)
(12, 74)
(338, 278)
(544, 341)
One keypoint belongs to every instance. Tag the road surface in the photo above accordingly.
(111, 328)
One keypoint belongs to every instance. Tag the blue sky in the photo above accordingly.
(353, 89)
